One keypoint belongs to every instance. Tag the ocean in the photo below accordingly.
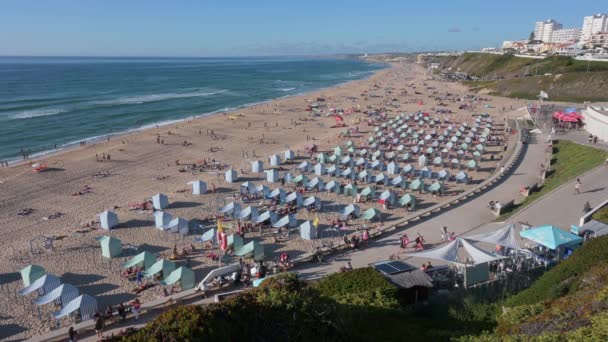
(47, 104)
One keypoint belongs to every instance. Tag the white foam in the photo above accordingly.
(156, 97)
(286, 89)
(26, 114)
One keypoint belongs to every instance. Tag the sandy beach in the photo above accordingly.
(140, 167)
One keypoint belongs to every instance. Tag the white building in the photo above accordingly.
(567, 49)
(543, 30)
(596, 121)
(594, 24)
(565, 35)
(599, 40)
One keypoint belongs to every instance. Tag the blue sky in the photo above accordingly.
(260, 27)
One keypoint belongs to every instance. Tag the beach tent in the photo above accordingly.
(160, 201)
(388, 197)
(218, 272)
(162, 219)
(257, 166)
(230, 176)
(407, 169)
(332, 186)
(108, 220)
(287, 220)
(272, 175)
(305, 166)
(350, 190)
(438, 161)
(43, 285)
(381, 178)
(163, 265)
(248, 213)
(503, 237)
(454, 163)
(348, 173)
(375, 165)
(368, 192)
(443, 175)
(210, 235)
(315, 183)
(392, 168)
(435, 187)
(275, 160)
(308, 231)
(320, 169)
(333, 171)
(31, 273)
(370, 214)
(312, 200)
(230, 209)
(64, 293)
(449, 253)
(300, 179)
(338, 151)
(551, 237)
(280, 193)
(289, 155)
(472, 165)
(264, 190)
(347, 160)
(415, 184)
(408, 199)
(364, 176)
(85, 304)
(422, 161)
(248, 188)
(198, 187)
(267, 216)
(424, 172)
(184, 275)
(178, 225)
(294, 196)
(144, 258)
(322, 158)
(399, 182)
(350, 209)
(110, 246)
(235, 241)
(462, 177)
(253, 249)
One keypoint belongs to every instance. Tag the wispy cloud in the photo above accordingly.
(454, 29)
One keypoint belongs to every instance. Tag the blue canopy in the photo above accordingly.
(550, 237)
(85, 303)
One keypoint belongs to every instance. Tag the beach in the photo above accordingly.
(144, 163)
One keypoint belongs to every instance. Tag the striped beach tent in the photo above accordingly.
(85, 304)
(43, 285)
(65, 293)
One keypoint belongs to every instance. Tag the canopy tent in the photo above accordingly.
(331, 186)
(294, 196)
(252, 249)
(415, 184)
(44, 285)
(257, 166)
(305, 166)
(350, 190)
(235, 241)
(351, 209)
(315, 183)
(108, 220)
(145, 258)
(230, 208)
(218, 272)
(367, 192)
(435, 187)
(162, 265)
(160, 201)
(408, 199)
(287, 220)
(280, 192)
(308, 231)
(551, 237)
(230, 176)
(31, 273)
(461, 177)
(449, 253)
(248, 213)
(502, 237)
(110, 246)
(398, 181)
(87, 305)
(178, 225)
(312, 200)
(272, 175)
(370, 214)
(162, 219)
(210, 235)
(387, 196)
(184, 275)
(64, 293)
(319, 169)
(198, 187)
(248, 188)
(289, 155)
(267, 216)
(381, 178)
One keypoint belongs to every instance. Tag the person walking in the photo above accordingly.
(99, 326)
(577, 187)
(135, 307)
(444, 233)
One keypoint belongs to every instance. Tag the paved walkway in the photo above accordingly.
(459, 220)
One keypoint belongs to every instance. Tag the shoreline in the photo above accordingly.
(91, 141)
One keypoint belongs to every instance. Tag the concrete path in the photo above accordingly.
(459, 220)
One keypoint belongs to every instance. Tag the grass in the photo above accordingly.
(601, 215)
(569, 161)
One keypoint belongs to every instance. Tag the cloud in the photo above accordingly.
(454, 29)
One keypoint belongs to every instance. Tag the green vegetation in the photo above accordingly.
(601, 215)
(564, 78)
(569, 161)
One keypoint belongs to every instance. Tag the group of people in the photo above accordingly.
(104, 156)
(357, 241)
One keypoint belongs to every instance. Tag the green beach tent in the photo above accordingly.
(338, 151)
(408, 199)
(350, 190)
(370, 214)
(145, 258)
(184, 275)
(235, 241)
(366, 192)
(110, 247)
(162, 265)
(415, 185)
(252, 249)
(31, 273)
(435, 187)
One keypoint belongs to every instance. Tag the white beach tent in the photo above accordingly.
(319, 169)
(249, 213)
(312, 200)
(162, 219)
(308, 231)
(43, 285)
(272, 175)
(85, 304)
(231, 208)
(178, 225)
(64, 293)
(449, 253)
(257, 166)
(248, 188)
(350, 209)
(230, 176)
(289, 155)
(287, 220)
(160, 201)
(279, 192)
(275, 160)
(305, 166)
(198, 187)
(505, 237)
(108, 220)
(267, 216)
(294, 196)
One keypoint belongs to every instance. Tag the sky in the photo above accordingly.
(189, 28)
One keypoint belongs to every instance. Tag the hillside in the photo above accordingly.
(563, 78)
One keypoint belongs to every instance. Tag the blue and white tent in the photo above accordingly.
(160, 201)
(210, 235)
(248, 188)
(272, 175)
(87, 305)
(348, 173)
(315, 183)
(280, 193)
(64, 293)
(294, 196)
(257, 166)
(178, 225)
(312, 201)
(268, 215)
(332, 186)
(287, 220)
(392, 168)
(462, 177)
(230, 176)
(43, 285)
(108, 220)
(248, 213)
(388, 196)
(399, 182)
(230, 209)
(275, 160)
(162, 219)
(381, 178)
(350, 209)
(308, 231)
(320, 169)
(198, 187)
(289, 155)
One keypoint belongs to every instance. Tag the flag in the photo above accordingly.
(220, 226)
(315, 221)
(543, 95)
